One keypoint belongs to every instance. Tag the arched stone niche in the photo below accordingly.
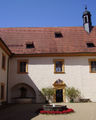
(23, 93)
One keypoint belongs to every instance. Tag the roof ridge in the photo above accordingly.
(42, 27)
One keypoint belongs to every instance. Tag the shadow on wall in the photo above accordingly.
(25, 91)
(67, 60)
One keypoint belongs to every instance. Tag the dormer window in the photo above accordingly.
(30, 45)
(58, 35)
(90, 45)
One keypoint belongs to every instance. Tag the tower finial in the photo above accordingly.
(85, 7)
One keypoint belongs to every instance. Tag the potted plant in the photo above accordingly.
(48, 93)
(72, 93)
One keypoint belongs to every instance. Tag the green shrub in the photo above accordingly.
(48, 93)
(72, 93)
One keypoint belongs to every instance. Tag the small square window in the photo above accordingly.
(90, 45)
(22, 66)
(30, 45)
(58, 35)
(92, 64)
(58, 66)
(3, 61)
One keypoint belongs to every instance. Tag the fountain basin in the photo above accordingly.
(54, 108)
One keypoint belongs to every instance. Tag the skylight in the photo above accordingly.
(30, 45)
(58, 35)
(90, 45)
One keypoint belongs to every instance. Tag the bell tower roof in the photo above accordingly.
(86, 12)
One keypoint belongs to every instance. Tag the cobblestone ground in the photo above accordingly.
(83, 111)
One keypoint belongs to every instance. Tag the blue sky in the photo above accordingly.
(44, 13)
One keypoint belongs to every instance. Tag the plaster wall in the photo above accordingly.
(41, 75)
(3, 73)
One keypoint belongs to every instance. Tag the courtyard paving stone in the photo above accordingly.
(83, 111)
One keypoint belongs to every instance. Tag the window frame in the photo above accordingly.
(90, 70)
(58, 60)
(18, 66)
(2, 99)
(3, 61)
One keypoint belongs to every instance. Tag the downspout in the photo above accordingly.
(7, 80)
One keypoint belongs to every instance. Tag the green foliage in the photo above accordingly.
(72, 93)
(48, 92)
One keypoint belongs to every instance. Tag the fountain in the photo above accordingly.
(55, 109)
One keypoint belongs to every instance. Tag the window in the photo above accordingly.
(22, 66)
(30, 45)
(89, 45)
(85, 19)
(58, 35)
(59, 66)
(3, 61)
(92, 65)
(2, 91)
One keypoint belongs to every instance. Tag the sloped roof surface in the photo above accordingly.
(73, 41)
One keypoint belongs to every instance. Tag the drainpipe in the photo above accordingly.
(7, 80)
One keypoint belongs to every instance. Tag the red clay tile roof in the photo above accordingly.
(5, 47)
(73, 41)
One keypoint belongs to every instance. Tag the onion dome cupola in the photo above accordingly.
(87, 20)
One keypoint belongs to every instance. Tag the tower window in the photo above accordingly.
(58, 35)
(90, 45)
(85, 19)
(30, 45)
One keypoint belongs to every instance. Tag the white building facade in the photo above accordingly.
(41, 74)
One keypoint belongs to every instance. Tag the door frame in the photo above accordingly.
(59, 86)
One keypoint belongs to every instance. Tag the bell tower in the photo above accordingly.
(87, 20)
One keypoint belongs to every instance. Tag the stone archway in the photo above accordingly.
(59, 91)
(23, 93)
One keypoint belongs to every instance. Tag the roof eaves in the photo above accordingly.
(5, 47)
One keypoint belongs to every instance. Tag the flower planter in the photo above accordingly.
(57, 112)
(57, 109)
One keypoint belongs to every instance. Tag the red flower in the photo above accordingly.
(56, 112)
